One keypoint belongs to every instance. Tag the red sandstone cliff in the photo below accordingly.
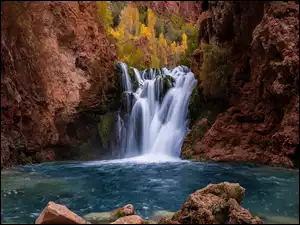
(56, 65)
(57, 73)
(262, 122)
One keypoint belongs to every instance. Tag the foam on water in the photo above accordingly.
(143, 159)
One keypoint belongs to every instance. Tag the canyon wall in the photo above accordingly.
(59, 88)
(57, 81)
(260, 121)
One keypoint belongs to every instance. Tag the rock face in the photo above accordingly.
(57, 75)
(58, 214)
(261, 123)
(107, 217)
(214, 204)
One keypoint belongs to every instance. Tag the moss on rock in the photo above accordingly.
(105, 127)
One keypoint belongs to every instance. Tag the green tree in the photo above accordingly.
(104, 14)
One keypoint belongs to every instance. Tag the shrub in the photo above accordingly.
(216, 71)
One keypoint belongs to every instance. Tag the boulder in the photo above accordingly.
(214, 204)
(133, 219)
(107, 217)
(240, 215)
(225, 190)
(58, 214)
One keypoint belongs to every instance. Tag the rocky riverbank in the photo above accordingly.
(214, 204)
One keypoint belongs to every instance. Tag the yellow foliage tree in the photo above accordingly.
(104, 14)
(155, 62)
(130, 20)
(145, 31)
(118, 33)
(184, 42)
(163, 50)
(130, 28)
(151, 21)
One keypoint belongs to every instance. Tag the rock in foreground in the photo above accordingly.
(167, 221)
(216, 203)
(58, 214)
(133, 219)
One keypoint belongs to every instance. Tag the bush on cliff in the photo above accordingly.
(216, 71)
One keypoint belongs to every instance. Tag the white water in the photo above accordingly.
(156, 125)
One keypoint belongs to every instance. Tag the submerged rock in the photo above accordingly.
(107, 217)
(58, 214)
(167, 221)
(133, 219)
(157, 215)
(216, 203)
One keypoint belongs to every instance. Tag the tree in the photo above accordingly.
(151, 21)
(163, 50)
(184, 41)
(145, 31)
(130, 20)
(104, 14)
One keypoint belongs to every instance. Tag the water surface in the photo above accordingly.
(149, 186)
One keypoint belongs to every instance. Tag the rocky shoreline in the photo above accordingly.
(214, 204)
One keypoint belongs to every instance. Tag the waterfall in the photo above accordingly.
(154, 121)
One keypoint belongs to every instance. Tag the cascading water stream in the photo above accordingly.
(156, 120)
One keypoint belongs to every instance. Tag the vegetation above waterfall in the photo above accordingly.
(145, 39)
